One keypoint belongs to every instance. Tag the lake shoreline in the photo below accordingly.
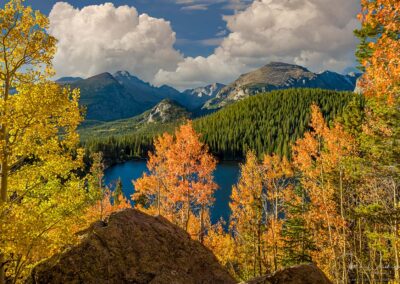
(226, 175)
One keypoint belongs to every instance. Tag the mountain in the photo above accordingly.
(109, 97)
(121, 95)
(68, 80)
(105, 99)
(141, 91)
(277, 75)
(201, 95)
(165, 112)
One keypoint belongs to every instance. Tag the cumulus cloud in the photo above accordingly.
(99, 38)
(196, 7)
(190, 5)
(312, 33)
(103, 38)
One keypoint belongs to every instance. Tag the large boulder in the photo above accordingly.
(132, 247)
(301, 274)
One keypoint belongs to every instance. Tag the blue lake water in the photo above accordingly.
(225, 176)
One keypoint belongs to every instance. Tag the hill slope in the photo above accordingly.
(275, 76)
(165, 112)
(265, 123)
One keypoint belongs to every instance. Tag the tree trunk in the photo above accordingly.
(395, 241)
(4, 173)
(201, 233)
(344, 265)
(2, 272)
(259, 249)
(4, 177)
(187, 211)
(159, 199)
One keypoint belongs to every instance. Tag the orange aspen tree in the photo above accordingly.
(180, 179)
(277, 178)
(379, 208)
(382, 62)
(320, 157)
(248, 222)
(153, 190)
(257, 212)
(222, 244)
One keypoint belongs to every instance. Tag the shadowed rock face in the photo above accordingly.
(132, 247)
(301, 274)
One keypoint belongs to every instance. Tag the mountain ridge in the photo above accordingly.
(110, 97)
(165, 112)
(121, 95)
(278, 75)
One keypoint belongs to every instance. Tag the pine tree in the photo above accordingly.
(298, 242)
(118, 192)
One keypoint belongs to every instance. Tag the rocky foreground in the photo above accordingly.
(301, 274)
(132, 247)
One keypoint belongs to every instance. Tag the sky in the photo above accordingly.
(192, 43)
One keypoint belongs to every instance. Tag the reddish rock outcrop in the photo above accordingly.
(301, 274)
(132, 247)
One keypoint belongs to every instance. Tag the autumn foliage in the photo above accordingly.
(334, 203)
(180, 184)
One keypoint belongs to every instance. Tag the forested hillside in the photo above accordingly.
(267, 123)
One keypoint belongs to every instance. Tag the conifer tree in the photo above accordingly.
(118, 192)
(298, 242)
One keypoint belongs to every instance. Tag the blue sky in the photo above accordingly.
(197, 26)
(192, 43)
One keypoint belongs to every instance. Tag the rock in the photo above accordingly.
(133, 247)
(301, 274)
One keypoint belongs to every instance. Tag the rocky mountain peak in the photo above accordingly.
(279, 75)
(166, 111)
(208, 91)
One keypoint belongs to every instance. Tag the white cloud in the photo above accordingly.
(196, 7)
(103, 38)
(313, 33)
(202, 5)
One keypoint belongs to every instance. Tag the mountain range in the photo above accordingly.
(109, 97)
(277, 75)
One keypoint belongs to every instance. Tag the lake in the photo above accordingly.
(225, 176)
